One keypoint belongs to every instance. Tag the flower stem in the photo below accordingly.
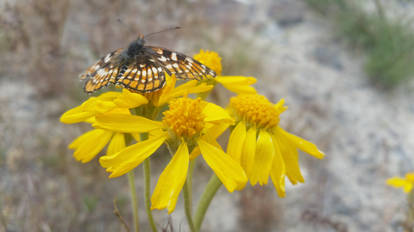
(131, 180)
(211, 189)
(188, 205)
(147, 176)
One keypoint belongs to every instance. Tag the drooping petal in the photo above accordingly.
(117, 144)
(127, 159)
(263, 159)
(278, 171)
(126, 123)
(249, 150)
(214, 113)
(129, 99)
(227, 170)
(236, 141)
(302, 144)
(171, 181)
(291, 157)
(88, 145)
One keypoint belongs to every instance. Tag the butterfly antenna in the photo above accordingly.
(167, 29)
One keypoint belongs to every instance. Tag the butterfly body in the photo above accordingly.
(142, 68)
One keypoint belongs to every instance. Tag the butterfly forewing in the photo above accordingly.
(184, 67)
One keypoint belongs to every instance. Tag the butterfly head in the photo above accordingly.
(135, 46)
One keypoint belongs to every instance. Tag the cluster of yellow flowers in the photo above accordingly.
(256, 149)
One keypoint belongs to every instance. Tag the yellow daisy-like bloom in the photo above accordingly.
(261, 146)
(237, 84)
(406, 183)
(88, 145)
(187, 123)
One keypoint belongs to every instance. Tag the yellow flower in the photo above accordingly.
(117, 104)
(237, 84)
(406, 183)
(88, 145)
(187, 124)
(261, 146)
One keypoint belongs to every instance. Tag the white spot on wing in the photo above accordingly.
(162, 59)
(174, 56)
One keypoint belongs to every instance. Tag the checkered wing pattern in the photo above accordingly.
(102, 73)
(144, 72)
(183, 66)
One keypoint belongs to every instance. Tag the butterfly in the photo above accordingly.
(141, 68)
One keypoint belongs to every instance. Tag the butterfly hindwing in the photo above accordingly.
(142, 75)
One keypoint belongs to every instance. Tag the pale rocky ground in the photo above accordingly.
(366, 133)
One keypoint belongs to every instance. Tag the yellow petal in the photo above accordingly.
(238, 80)
(396, 182)
(263, 159)
(409, 177)
(130, 100)
(214, 113)
(117, 144)
(127, 159)
(302, 144)
(126, 123)
(237, 84)
(227, 170)
(109, 96)
(88, 145)
(75, 115)
(249, 150)
(291, 157)
(98, 106)
(278, 171)
(236, 141)
(408, 187)
(171, 181)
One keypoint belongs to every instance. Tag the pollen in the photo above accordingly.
(257, 110)
(185, 117)
(210, 59)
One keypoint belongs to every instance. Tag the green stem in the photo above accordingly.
(131, 180)
(211, 189)
(188, 206)
(147, 176)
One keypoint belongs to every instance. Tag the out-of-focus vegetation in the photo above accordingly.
(388, 42)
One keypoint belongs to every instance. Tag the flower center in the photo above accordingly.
(257, 110)
(185, 117)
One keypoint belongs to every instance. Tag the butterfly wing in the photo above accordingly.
(142, 74)
(103, 72)
(183, 66)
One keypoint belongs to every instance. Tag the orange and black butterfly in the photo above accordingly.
(142, 68)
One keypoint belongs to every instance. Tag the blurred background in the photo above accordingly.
(344, 67)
